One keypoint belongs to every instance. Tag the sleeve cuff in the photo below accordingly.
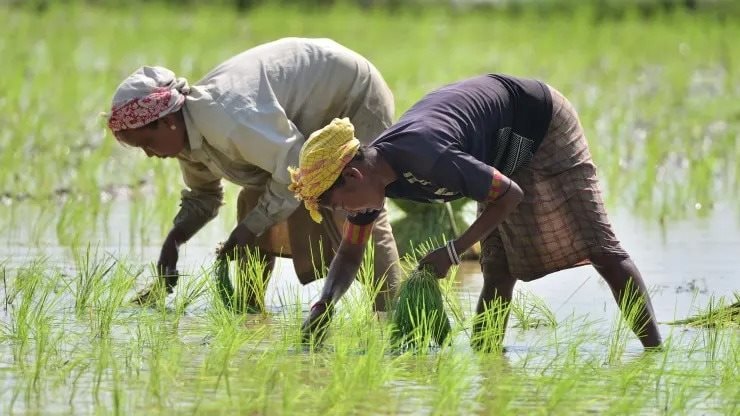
(258, 222)
(189, 222)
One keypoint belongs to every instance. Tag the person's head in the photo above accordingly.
(333, 172)
(146, 112)
(355, 190)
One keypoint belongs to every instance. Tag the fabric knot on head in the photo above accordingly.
(322, 158)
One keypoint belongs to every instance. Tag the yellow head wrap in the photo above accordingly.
(322, 158)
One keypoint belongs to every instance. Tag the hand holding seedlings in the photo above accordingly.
(240, 237)
(166, 281)
(313, 330)
(438, 261)
(167, 264)
(167, 274)
(428, 157)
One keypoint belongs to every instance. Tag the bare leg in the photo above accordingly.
(387, 271)
(620, 274)
(492, 312)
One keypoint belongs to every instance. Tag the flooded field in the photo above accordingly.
(82, 220)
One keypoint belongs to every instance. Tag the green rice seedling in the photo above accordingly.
(29, 309)
(489, 327)
(247, 293)
(119, 393)
(530, 311)
(355, 364)
(188, 291)
(291, 318)
(419, 315)
(224, 287)
(30, 330)
(5, 286)
(452, 382)
(46, 341)
(102, 353)
(361, 315)
(370, 290)
(251, 283)
(229, 335)
(630, 319)
(162, 360)
(714, 322)
(717, 314)
(106, 305)
(92, 270)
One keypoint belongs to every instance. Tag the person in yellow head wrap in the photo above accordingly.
(245, 122)
(322, 159)
(513, 145)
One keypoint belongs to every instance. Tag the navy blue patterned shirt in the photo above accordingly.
(443, 147)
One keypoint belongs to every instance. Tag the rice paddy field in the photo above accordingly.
(82, 220)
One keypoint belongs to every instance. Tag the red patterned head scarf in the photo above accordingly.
(147, 95)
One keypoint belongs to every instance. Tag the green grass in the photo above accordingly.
(659, 105)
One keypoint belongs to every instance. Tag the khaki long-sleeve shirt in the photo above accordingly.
(248, 118)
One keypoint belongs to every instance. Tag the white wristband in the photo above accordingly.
(452, 253)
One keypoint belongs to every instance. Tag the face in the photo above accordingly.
(161, 141)
(356, 195)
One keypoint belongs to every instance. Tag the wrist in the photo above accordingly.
(452, 252)
(321, 306)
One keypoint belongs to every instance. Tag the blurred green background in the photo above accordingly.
(656, 84)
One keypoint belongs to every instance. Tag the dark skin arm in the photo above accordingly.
(167, 263)
(168, 256)
(239, 237)
(342, 272)
(491, 217)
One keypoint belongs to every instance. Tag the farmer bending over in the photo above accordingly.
(514, 145)
(246, 121)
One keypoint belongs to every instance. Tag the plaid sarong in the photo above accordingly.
(561, 222)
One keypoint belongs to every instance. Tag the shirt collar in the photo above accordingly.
(195, 138)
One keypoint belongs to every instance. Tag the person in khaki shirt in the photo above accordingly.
(245, 122)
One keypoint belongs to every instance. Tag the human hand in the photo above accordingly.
(239, 238)
(314, 328)
(438, 261)
(163, 285)
(167, 275)
(167, 263)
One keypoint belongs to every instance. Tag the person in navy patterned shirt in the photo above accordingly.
(517, 148)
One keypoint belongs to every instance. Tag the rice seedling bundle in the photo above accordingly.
(242, 295)
(718, 314)
(223, 283)
(419, 317)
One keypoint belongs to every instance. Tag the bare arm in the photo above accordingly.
(342, 273)
(491, 217)
(504, 196)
